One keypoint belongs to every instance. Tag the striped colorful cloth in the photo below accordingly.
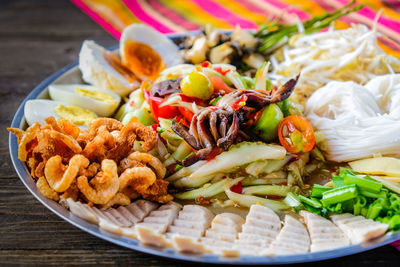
(169, 16)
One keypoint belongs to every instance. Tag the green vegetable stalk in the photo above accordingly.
(275, 35)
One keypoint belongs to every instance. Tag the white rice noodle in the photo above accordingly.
(335, 55)
(358, 121)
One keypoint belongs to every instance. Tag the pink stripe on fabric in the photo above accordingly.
(221, 12)
(371, 14)
(172, 15)
(97, 18)
(290, 9)
(138, 11)
(252, 7)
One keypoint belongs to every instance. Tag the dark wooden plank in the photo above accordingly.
(36, 39)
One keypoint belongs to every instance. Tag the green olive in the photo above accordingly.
(196, 84)
(266, 127)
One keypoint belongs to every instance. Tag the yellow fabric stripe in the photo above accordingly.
(241, 10)
(194, 13)
(157, 16)
(113, 11)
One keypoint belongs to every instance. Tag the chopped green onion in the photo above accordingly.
(337, 208)
(338, 181)
(364, 211)
(313, 202)
(394, 222)
(374, 209)
(359, 204)
(292, 200)
(343, 171)
(339, 194)
(313, 210)
(362, 183)
(317, 190)
(370, 194)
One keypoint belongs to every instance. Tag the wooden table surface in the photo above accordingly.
(36, 39)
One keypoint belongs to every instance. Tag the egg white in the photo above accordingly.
(98, 72)
(37, 110)
(66, 93)
(142, 33)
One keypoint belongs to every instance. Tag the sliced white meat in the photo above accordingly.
(81, 210)
(190, 225)
(151, 230)
(359, 229)
(223, 232)
(324, 234)
(225, 226)
(260, 229)
(192, 221)
(292, 239)
(122, 217)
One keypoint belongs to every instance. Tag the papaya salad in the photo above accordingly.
(279, 141)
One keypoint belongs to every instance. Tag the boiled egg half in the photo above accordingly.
(102, 101)
(38, 109)
(146, 52)
(103, 69)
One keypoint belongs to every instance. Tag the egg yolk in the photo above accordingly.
(142, 59)
(97, 95)
(116, 64)
(77, 115)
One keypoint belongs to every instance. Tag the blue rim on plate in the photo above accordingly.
(130, 243)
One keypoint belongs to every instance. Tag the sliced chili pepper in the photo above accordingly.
(239, 103)
(296, 134)
(219, 85)
(220, 70)
(154, 127)
(237, 188)
(191, 99)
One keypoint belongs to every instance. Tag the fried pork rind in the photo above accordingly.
(104, 186)
(158, 192)
(60, 176)
(144, 181)
(17, 132)
(119, 199)
(63, 126)
(71, 192)
(138, 178)
(139, 159)
(108, 140)
(28, 141)
(98, 147)
(127, 136)
(46, 190)
(59, 152)
(91, 170)
(94, 128)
